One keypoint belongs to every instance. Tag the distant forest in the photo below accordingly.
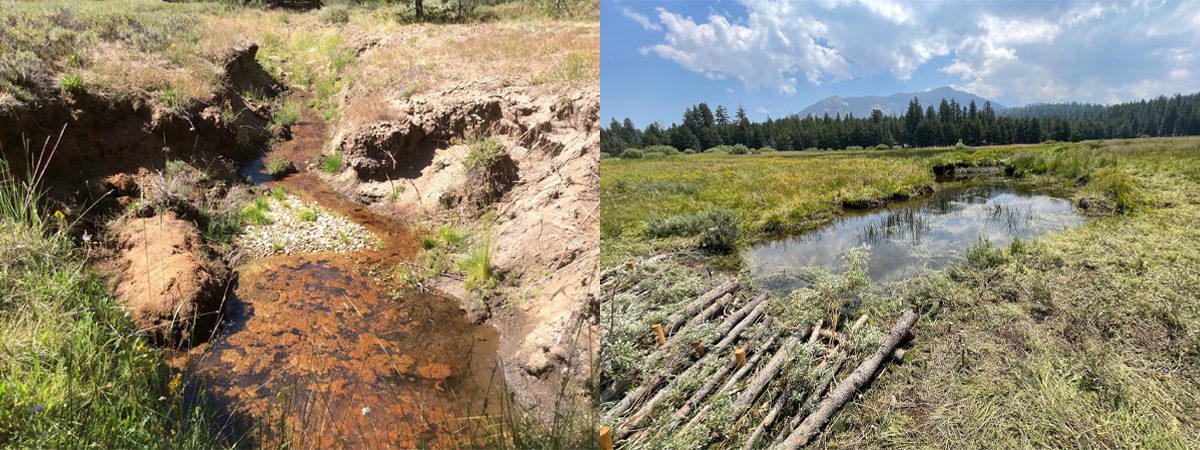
(944, 125)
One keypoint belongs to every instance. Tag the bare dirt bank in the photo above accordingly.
(409, 160)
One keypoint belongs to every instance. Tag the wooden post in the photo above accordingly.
(658, 329)
(606, 439)
(740, 354)
(860, 322)
(698, 348)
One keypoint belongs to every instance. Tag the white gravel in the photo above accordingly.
(288, 234)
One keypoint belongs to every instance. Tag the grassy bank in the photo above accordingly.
(73, 368)
(687, 201)
(682, 201)
(1084, 338)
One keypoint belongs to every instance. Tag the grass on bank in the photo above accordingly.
(672, 201)
(1084, 338)
(73, 369)
(174, 50)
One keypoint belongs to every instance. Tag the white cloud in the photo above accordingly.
(1017, 31)
(762, 110)
(645, 21)
(1039, 51)
(1082, 16)
(893, 11)
(730, 90)
(768, 51)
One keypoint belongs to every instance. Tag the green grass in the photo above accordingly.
(576, 67)
(451, 236)
(335, 14)
(285, 115)
(1081, 339)
(279, 193)
(256, 212)
(278, 166)
(482, 154)
(72, 367)
(313, 58)
(477, 266)
(72, 83)
(308, 215)
(60, 40)
(641, 199)
(331, 163)
(1084, 338)
(428, 242)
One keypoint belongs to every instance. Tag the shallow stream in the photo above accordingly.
(349, 356)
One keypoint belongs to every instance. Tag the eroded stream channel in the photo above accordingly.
(349, 357)
(925, 233)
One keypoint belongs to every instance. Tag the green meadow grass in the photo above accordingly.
(73, 370)
(1084, 338)
(770, 192)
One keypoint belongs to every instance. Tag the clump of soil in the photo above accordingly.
(1095, 206)
(172, 291)
(415, 159)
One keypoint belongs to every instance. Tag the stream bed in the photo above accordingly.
(332, 343)
(924, 233)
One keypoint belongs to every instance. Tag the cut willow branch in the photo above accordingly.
(844, 390)
(768, 373)
(636, 419)
(731, 322)
(700, 394)
(619, 384)
(779, 400)
(676, 320)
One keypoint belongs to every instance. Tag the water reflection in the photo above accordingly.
(928, 232)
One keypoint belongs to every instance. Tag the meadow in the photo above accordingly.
(1083, 338)
(707, 200)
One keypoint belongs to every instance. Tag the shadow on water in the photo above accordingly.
(345, 354)
(910, 236)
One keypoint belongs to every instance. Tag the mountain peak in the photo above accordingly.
(892, 105)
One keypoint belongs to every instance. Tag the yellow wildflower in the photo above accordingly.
(59, 215)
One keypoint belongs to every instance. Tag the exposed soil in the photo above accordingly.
(106, 160)
(106, 136)
(545, 238)
(546, 233)
(172, 291)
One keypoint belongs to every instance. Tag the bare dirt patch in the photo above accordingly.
(171, 289)
(413, 159)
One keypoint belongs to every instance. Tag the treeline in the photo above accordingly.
(943, 125)
(1044, 110)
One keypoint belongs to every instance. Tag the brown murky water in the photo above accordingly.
(349, 356)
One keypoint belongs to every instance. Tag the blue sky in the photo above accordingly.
(777, 57)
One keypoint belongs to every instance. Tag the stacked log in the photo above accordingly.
(767, 394)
